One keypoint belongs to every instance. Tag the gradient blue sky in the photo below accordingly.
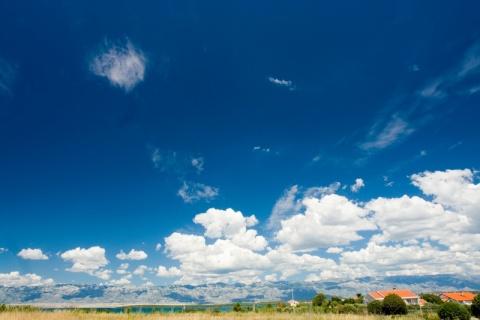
(221, 141)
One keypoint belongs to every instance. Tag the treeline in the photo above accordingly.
(26, 308)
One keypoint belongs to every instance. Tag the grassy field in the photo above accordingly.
(68, 315)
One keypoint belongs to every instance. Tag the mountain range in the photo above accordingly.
(218, 293)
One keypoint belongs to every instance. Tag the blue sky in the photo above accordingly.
(193, 142)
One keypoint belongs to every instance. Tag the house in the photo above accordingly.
(459, 297)
(408, 296)
(293, 303)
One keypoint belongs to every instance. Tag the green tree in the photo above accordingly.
(349, 301)
(431, 298)
(360, 298)
(375, 307)
(475, 308)
(127, 310)
(318, 299)
(453, 311)
(3, 307)
(394, 304)
(237, 307)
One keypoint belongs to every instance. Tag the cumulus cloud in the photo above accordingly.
(432, 222)
(290, 203)
(140, 270)
(193, 192)
(123, 268)
(231, 225)
(405, 235)
(120, 282)
(122, 63)
(332, 220)
(357, 186)
(32, 254)
(132, 255)
(163, 272)
(87, 260)
(158, 247)
(14, 278)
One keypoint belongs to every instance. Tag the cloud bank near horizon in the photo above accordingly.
(316, 234)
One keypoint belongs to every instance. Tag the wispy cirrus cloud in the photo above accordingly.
(405, 113)
(122, 63)
(383, 134)
(192, 192)
(8, 75)
(283, 83)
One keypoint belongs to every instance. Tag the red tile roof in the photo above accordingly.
(402, 293)
(459, 296)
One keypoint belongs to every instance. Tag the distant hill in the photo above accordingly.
(226, 293)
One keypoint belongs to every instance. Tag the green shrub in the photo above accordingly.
(375, 307)
(348, 308)
(431, 298)
(475, 308)
(453, 311)
(394, 304)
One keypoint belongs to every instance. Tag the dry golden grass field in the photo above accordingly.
(67, 315)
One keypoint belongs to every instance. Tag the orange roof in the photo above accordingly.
(402, 293)
(459, 296)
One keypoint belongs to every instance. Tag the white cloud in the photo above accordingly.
(8, 74)
(158, 247)
(193, 192)
(122, 64)
(132, 255)
(32, 254)
(14, 278)
(141, 270)
(285, 206)
(261, 149)
(289, 204)
(407, 235)
(405, 218)
(382, 136)
(123, 268)
(163, 272)
(271, 277)
(120, 282)
(87, 260)
(231, 225)
(332, 220)
(165, 160)
(357, 186)
(334, 250)
(198, 163)
(221, 261)
(283, 83)
(2, 250)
